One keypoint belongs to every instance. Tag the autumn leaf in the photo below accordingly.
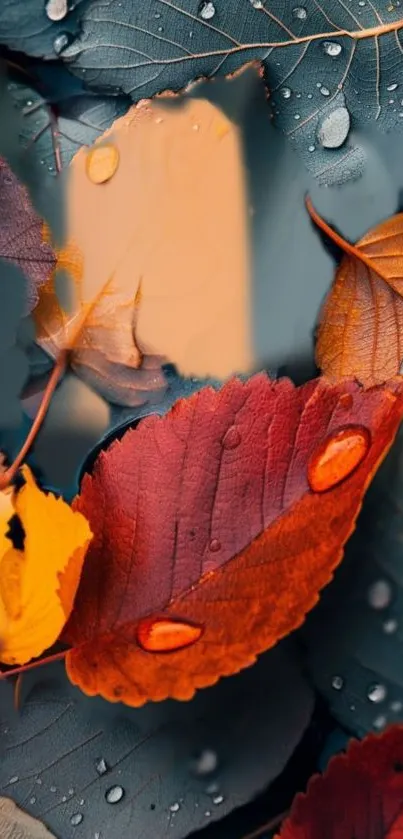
(141, 51)
(180, 264)
(38, 582)
(21, 239)
(215, 528)
(359, 795)
(16, 824)
(361, 324)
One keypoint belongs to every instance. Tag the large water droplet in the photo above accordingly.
(56, 9)
(76, 819)
(207, 10)
(337, 682)
(205, 763)
(376, 693)
(337, 457)
(332, 48)
(102, 163)
(285, 92)
(157, 635)
(101, 766)
(300, 13)
(379, 594)
(325, 91)
(114, 794)
(218, 799)
(232, 438)
(257, 4)
(391, 87)
(334, 129)
(61, 42)
(175, 807)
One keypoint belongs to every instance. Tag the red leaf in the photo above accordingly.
(209, 544)
(21, 234)
(360, 795)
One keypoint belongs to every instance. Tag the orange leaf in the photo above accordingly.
(140, 209)
(361, 323)
(15, 824)
(38, 584)
(360, 795)
(215, 528)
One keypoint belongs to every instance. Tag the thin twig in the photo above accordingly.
(274, 822)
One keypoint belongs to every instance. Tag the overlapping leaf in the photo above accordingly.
(21, 239)
(16, 824)
(360, 794)
(38, 582)
(327, 54)
(68, 751)
(361, 323)
(209, 543)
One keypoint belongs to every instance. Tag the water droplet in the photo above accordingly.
(38, 781)
(379, 594)
(309, 95)
(297, 116)
(56, 9)
(361, 2)
(101, 766)
(76, 819)
(337, 457)
(61, 42)
(32, 800)
(311, 148)
(218, 799)
(391, 87)
(325, 91)
(207, 10)
(215, 546)
(286, 92)
(13, 780)
(53, 788)
(345, 401)
(195, 127)
(337, 682)
(81, 802)
(300, 13)
(334, 128)
(71, 791)
(396, 706)
(175, 807)
(232, 438)
(257, 4)
(157, 635)
(207, 813)
(64, 797)
(102, 163)
(376, 693)
(205, 763)
(114, 794)
(379, 722)
(332, 48)
(390, 626)
(212, 788)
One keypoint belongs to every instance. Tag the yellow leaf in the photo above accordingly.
(38, 584)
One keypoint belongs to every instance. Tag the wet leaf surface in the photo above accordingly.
(317, 57)
(210, 456)
(69, 752)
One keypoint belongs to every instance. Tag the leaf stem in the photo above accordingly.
(347, 247)
(32, 665)
(274, 822)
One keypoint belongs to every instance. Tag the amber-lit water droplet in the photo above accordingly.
(337, 457)
(232, 438)
(346, 401)
(102, 162)
(161, 635)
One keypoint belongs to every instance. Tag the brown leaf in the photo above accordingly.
(361, 323)
(15, 824)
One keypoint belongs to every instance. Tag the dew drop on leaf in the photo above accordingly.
(76, 819)
(102, 163)
(337, 682)
(205, 763)
(61, 42)
(215, 546)
(212, 788)
(390, 626)
(285, 92)
(14, 779)
(257, 4)
(175, 807)
(114, 794)
(207, 10)
(232, 438)
(56, 9)
(334, 129)
(300, 13)
(325, 91)
(337, 457)
(101, 766)
(32, 800)
(311, 148)
(332, 48)
(379, 594)
(391, 87)
(396, 706)
(218, 799)
(297, 116)
(376, 693)
(379, 722)
(158, 635)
